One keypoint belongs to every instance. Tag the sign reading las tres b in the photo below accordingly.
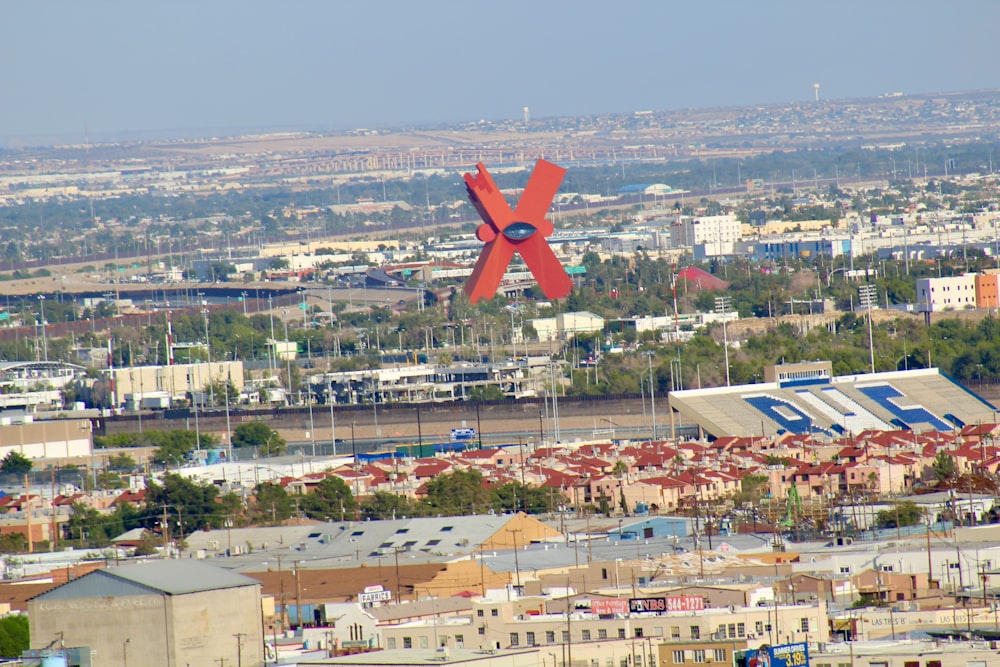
(672, 603)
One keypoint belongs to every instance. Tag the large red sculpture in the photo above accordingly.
(522, 230)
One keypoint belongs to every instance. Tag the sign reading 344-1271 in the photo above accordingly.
(672, 603)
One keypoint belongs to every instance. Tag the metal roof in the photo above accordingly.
(170, 577)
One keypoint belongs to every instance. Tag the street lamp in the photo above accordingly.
(45, 343)
(722, 307)
(652, 393)
(866, 297)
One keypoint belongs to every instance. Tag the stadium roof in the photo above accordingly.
(917, 400)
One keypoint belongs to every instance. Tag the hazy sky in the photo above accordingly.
(120, 67)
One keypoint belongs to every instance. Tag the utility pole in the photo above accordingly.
(239, 648)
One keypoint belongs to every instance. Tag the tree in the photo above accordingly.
(14, 635)
(905, 513)
(514, 496)
(173, 447)
(188, 506)
(944, 466)
(15, 463)
(332, 500)
(457, 493)
(386, 505)
(258, 434)
(271, 504)
(121, 462)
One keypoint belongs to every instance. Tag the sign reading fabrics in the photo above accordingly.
(672, 603)
(373, 594)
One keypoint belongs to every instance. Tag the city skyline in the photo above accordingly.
(115, 70)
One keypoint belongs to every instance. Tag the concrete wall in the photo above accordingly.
(204, 624)
(161, 631)
(104, 624)
(48, 439)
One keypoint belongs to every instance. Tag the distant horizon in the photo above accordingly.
(188, 68)
(184, 134)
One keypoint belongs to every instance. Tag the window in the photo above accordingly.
(911, 663)
(623, 661)
(602, 633)
(699, 655)
(847, 569)
(804, 624)
(932, 663)
(515, 640)
(357, 533)
(390, 642)
(609, 662)
(385, 545)
(759, 627)
(732, 631)
(433, 543)
(565, 636)
(446, 529)
(678, 657)
(494, 612)
(529, 638)
(741, 629)
(550, 637)
(675, 632)
(482, 629)
(423, 642)
(408, 544)
(402, 531)
(585, 635)
(720, 655)
(604, 573)
(695, 632)
(460, 641)
(638, 632)
(621, 633)
(480, 613)
(407, 642)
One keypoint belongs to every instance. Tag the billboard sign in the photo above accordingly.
(783, 655)
(671, 603)
(463, 434)
(608, 607)
(373, 594)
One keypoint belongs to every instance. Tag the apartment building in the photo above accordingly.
(596, 639)
(947, 293)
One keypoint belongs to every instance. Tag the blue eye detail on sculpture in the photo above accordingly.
(519, 231)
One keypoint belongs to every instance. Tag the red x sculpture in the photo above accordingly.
(522, 230)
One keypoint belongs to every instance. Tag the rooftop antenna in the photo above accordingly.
(816, 91)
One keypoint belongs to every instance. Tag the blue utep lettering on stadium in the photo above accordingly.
(799, 424)
(883, 395)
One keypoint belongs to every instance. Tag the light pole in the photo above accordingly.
(866, 297)
(652, 393)
(125, 651)
(333, 423)
(722, 306)
(45, 342)
(288, 357)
